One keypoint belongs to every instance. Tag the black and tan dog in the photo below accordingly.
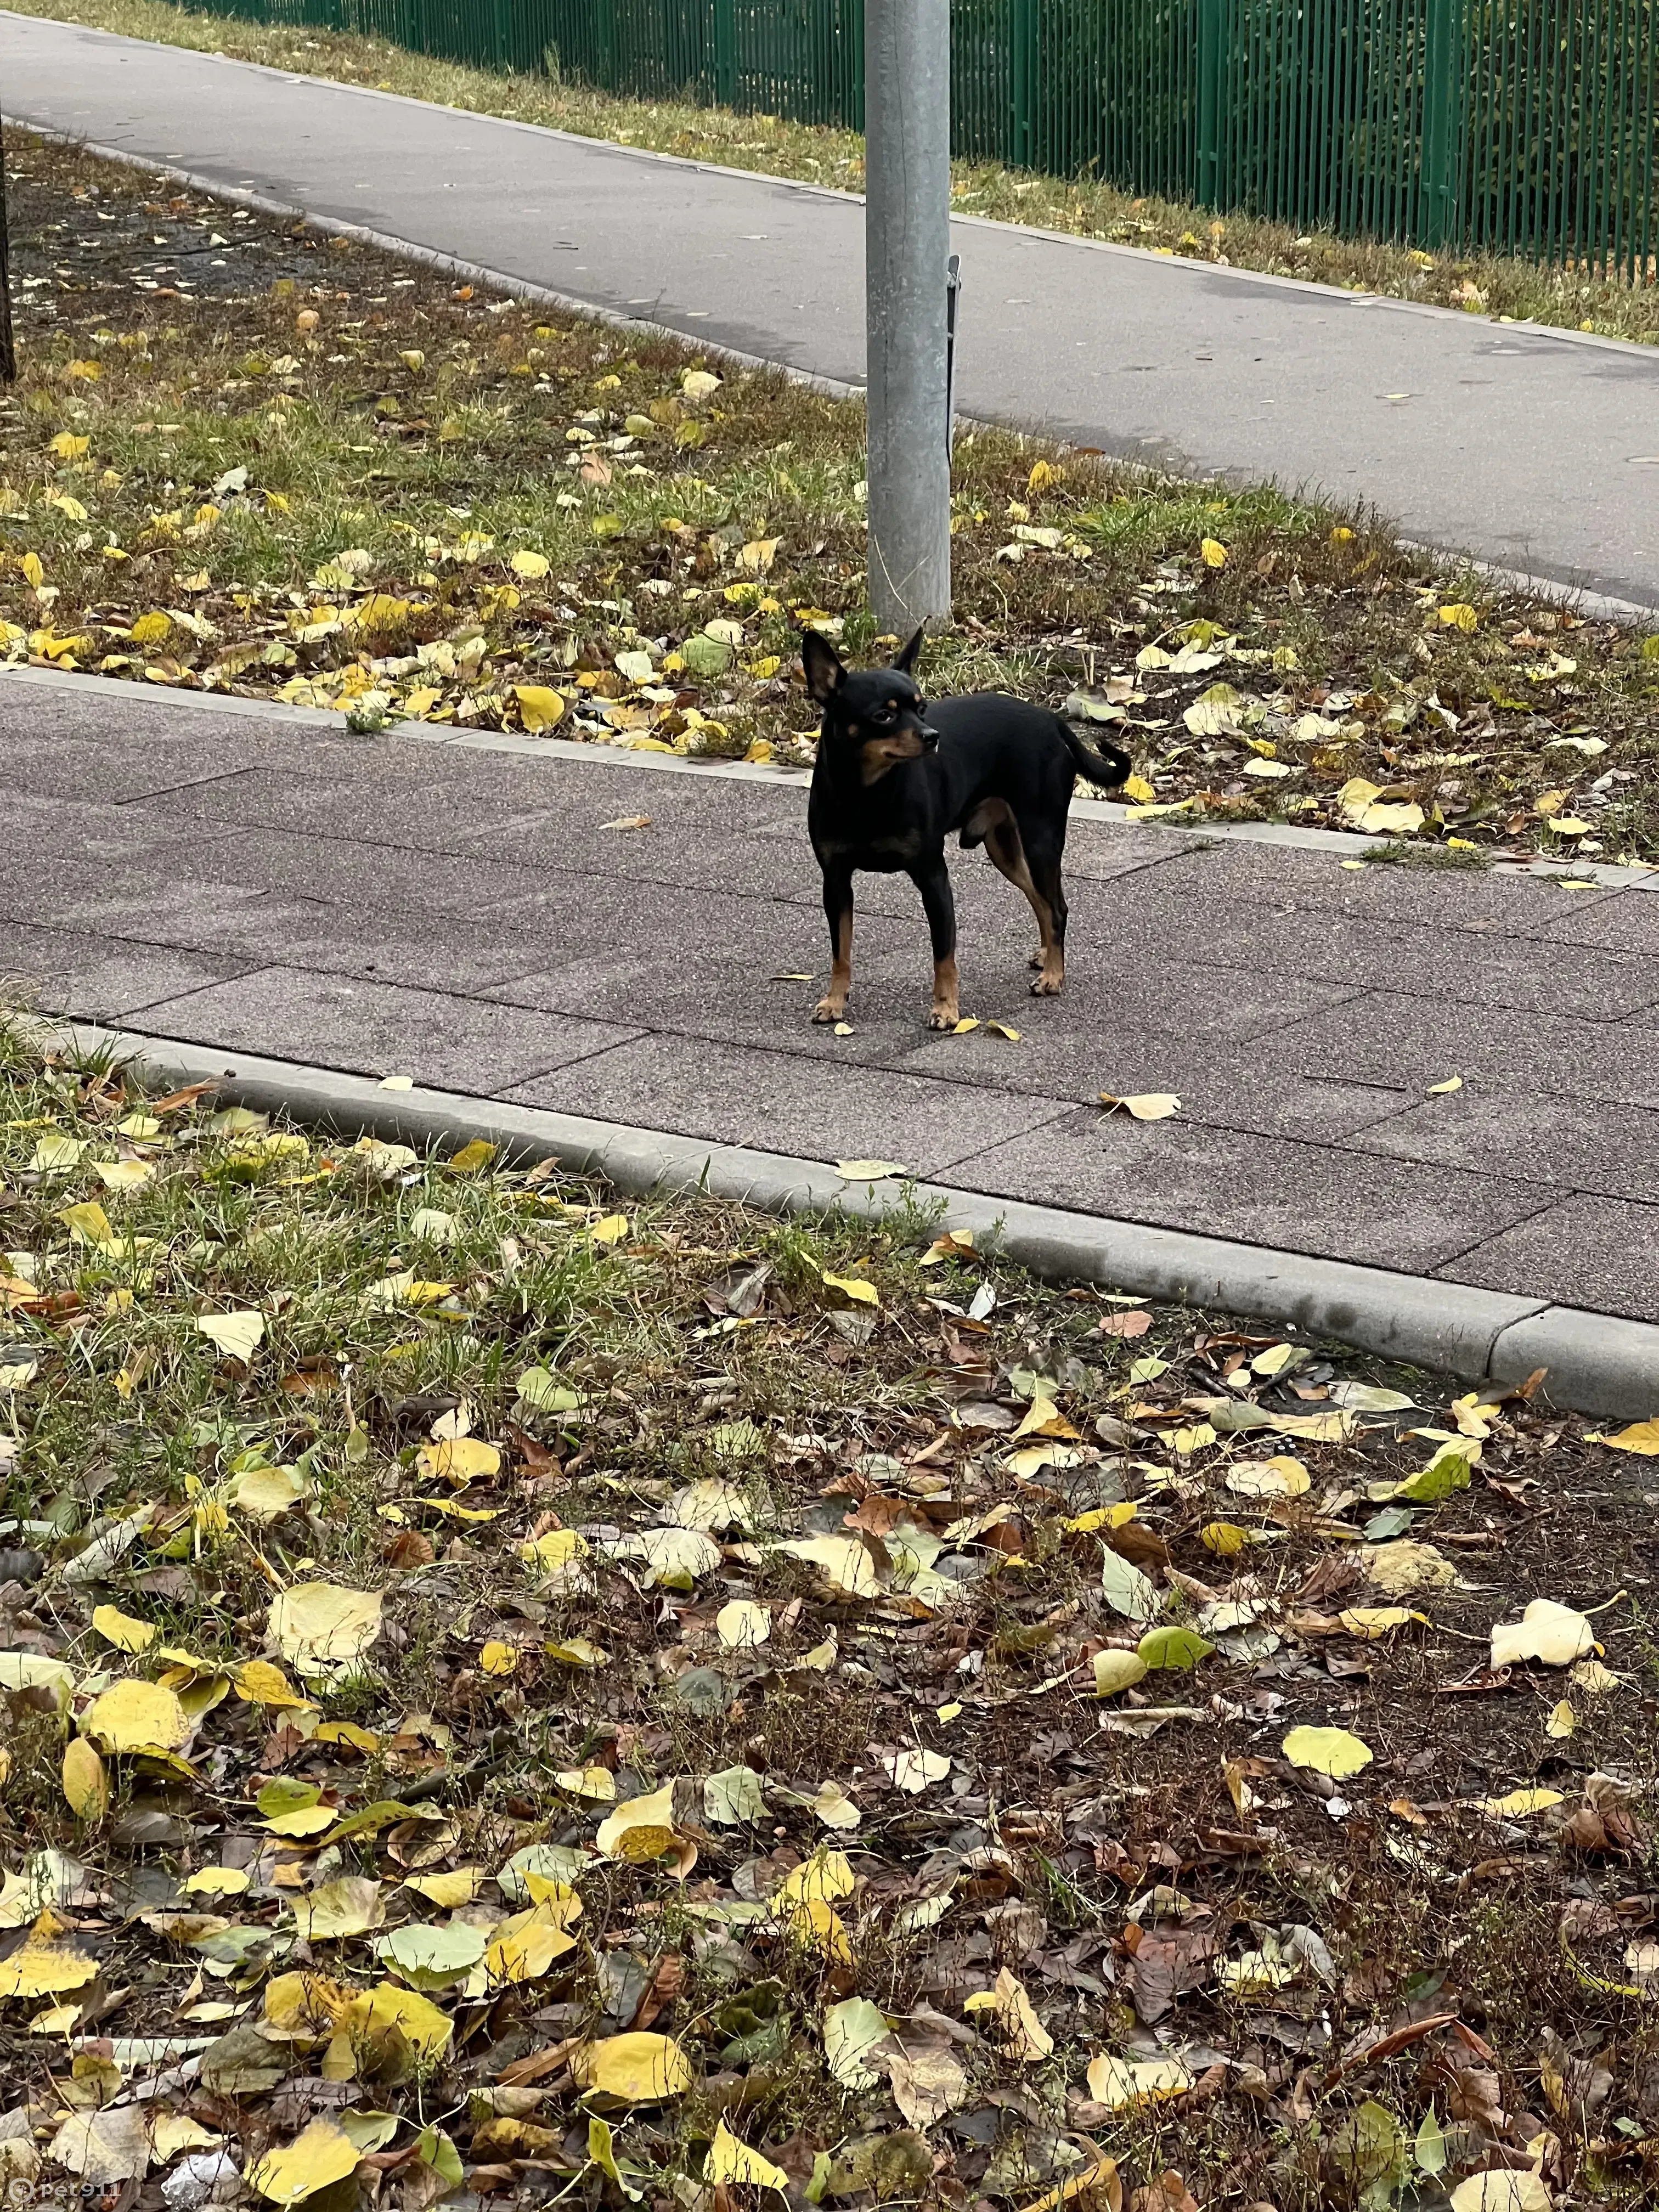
(894, 777)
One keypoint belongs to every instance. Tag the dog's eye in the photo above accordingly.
(881, 714)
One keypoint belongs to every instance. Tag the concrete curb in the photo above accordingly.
(1351, 843)
(1597, 1363)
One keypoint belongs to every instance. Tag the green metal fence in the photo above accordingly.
(1515, 126)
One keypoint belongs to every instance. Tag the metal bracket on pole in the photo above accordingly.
(952, 294)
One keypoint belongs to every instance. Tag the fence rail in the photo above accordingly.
(1511, 126)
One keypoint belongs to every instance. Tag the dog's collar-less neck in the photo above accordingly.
(837, 766)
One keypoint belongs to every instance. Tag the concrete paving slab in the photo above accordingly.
(319, 802)
(1524, 974)
(95, 981)
(1564, 1142)
(376, 1029)
(1583, 1251)
(391, 942)
(343, 870)
(1626, 921)
(1483, 900)
(826, 1112)
(1389, 1036)
(1316, 1198)
(89, 833)
(759, 991)
(436, 951)
(1224, 1085)
(558, 845)
(58, 744)
(1176, 912)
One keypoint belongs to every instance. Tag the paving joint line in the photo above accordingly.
(1599, 1363)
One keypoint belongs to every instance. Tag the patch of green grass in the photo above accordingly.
(302, 471)
(1507, 289)
(526, 1420)
(1396, 852)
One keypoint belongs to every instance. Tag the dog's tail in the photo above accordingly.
(1107, 766)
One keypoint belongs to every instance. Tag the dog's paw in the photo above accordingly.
(830, 1010)
(943, 1017)
(1048, 987)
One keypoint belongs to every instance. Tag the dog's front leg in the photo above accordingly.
(941, 910)
(838, 911)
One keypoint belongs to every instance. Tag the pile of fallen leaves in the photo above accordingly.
(244, 458)
(507, 1694)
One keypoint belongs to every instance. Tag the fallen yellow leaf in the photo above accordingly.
(324, 1628)
(1641, 1437)
(134, 1715)
(1555, 1635)
(43, 1966)
(523, 1947)
(1124, 2083)
(1094, 2186)
(238, 1335)
(1024, 2034)
(731, 2160)
(637, 2069)
(539, 705)
(86, 1785)
(1519, 1802)
(321, 2154)
(1330, 1751)
(121, 1630)
(641, 1829)
(1144, 1105)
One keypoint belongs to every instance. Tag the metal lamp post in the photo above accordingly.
(907, 122)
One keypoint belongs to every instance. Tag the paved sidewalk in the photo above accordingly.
(1535, 449)
(464, 916)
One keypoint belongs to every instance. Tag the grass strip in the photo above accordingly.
(246, 456)
(517, 1692)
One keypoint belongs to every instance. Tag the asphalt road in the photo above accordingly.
(1533, 449)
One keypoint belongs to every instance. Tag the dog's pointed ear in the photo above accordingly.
(825, 671)
(906, 659)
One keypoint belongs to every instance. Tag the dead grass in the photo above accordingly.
(254, 459)
(1509, 289)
